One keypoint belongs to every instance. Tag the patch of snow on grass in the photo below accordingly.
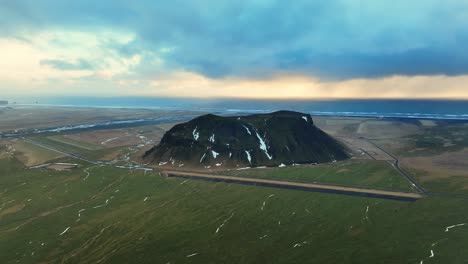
(172, 161)
(195, 134)
(299, 244)
(79, 212)
(264, 202)
(249, 158)
(366, 215)
(248, 130)
(101, 205)
(184, 181)
(263, 146)
(224, 222)
(64, 231)
(204, 154)
(452, 226)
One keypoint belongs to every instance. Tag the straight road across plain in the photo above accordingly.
(402, 196)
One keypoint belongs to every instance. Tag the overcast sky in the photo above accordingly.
(217, 48)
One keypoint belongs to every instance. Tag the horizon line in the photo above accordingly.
(11, 97)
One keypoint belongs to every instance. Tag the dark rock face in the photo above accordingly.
(282, 137)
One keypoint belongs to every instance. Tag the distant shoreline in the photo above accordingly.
(230, 111)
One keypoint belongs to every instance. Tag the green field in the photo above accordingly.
(31, 154)
(180, 218)
(60, 145)
(453, 184)
(76, 143)
(361, 173)
(75, 149)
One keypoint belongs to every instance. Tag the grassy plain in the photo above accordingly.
(149, 218)
(95, 214)
(360, 173)
(30, 154)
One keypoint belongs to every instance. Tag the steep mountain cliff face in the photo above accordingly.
(276, 139)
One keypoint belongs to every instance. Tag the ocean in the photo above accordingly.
(425, 109)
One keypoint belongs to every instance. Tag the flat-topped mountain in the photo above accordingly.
(275, 139)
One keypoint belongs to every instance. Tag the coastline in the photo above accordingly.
(240, 111)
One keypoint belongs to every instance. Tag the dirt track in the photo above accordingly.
(298, 186)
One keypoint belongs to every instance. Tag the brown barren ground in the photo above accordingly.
(440, 166)
(30, 117)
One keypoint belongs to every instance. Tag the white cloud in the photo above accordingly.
(21, 58)
(302, 87)
(143, 73)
